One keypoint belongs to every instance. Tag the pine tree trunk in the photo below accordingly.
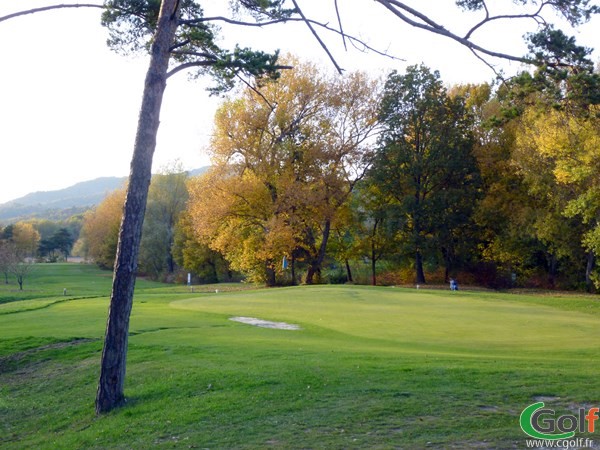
(112, 376)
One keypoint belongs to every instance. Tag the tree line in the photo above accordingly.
(315, 177)
(25, 242)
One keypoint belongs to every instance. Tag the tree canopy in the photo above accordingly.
(425, 164)
(285, 161)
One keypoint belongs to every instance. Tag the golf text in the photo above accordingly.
(563, 443)
(542, 423)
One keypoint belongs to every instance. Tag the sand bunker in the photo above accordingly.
(265, 323)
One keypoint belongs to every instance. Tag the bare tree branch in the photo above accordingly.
(356, 42)
(535, 16)
(315, 34)
(50, 7)
(256, 91)
(337, 13)
(238, 22)
(415, 13)
(487, 63)
(399, 9)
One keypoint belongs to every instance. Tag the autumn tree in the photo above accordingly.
(285, 161)
(502, 244)
(21, 267)
(343, 241)
(542, 114)
(558, 154)
(26, 239)
(15, 256)
(425, 163)
(234, 216)
(8, 257)
(101, 229)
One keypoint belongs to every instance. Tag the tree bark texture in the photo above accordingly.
(373, 265)
(293, 266)
(589, 284)
(374, 254)
(315, 265)
(419, 268)
(270, 276)
(349, 272)
(112, 376)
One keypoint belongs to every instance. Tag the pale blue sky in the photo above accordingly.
(68, 105)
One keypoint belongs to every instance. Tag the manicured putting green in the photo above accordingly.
(403, 320)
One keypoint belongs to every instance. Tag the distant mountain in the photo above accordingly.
(64, 203)
(196, 172)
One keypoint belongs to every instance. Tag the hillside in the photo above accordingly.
(63, 203)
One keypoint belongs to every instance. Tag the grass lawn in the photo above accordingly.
(370, 367)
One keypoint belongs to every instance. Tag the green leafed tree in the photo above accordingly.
(374, 230)
(425, 163)
(61, 241)
(196, 257)
(166, 200)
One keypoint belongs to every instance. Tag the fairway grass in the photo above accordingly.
(369, 368)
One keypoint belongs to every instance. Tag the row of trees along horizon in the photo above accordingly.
(319, 178)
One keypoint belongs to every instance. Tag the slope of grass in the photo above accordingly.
(48, 280)
(370, 367)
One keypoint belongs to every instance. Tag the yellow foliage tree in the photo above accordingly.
(559, 154)
(285, 161)
(26, 239)
(100, 229)
(234, 216)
